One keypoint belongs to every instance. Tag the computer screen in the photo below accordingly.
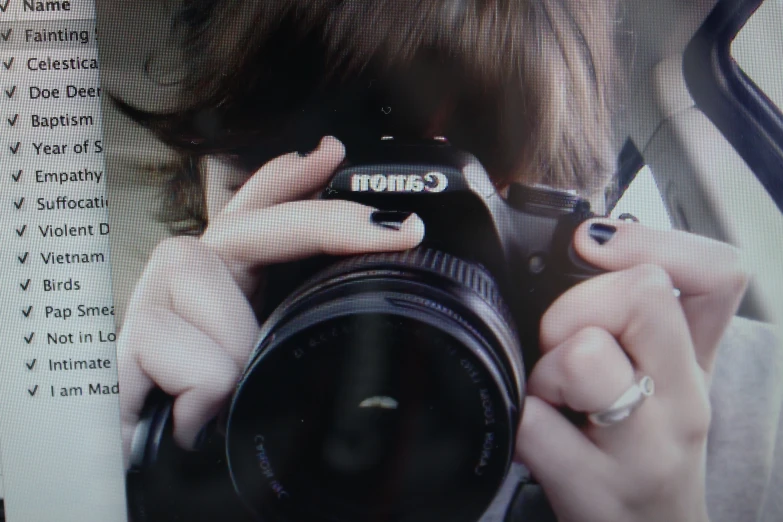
(60, 438)
(379, 260)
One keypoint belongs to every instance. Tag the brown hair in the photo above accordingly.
(525, 85)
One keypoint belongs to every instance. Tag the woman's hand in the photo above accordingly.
(190, 328)
(603, 335)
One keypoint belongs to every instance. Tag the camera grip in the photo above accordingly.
(167, 483)
(155, 423)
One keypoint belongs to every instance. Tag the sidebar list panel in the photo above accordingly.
(59, 423)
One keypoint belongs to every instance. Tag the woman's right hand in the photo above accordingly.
(190, 329)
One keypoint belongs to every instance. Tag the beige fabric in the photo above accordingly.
(745, 447)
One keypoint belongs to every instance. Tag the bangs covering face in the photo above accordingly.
(524, 85)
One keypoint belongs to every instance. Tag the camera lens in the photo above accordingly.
(386, 389)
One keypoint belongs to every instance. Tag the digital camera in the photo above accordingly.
(384, 387)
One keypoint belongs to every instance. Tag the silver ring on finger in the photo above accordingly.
(625, 405)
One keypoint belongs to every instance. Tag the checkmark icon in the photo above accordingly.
(11, 93)
(29, 339)
(18, 204)
(33, 391)
(8, 63)
(23, 259)
(31, 365)
(15, 148)
(27, 312)
(12, 121)
(20, 232)
(17, 176)
(7, 34)
(4, 5)
(25, 285)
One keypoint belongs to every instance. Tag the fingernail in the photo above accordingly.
(201, 438)
(390, 219)
(304, 154)
(326, 140)
(602, 232)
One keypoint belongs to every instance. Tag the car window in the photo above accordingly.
(758, 48)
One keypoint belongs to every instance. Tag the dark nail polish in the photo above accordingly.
(391, 219)
(306, 153)
(602, 233)
(202, 438)
(628, 217)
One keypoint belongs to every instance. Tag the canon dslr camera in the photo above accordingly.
(384, 387)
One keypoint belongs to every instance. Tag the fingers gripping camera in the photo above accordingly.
(384, 386)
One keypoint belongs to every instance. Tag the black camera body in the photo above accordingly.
(523, 240)
(385, 386)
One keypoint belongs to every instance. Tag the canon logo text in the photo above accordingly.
(429, 182)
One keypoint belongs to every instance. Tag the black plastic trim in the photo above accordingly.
(629, 163)
(748, 119)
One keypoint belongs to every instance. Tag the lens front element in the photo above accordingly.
(380, 412)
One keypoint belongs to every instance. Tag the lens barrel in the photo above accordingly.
(387, 388)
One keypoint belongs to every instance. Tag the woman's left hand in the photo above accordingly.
(598, 339)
